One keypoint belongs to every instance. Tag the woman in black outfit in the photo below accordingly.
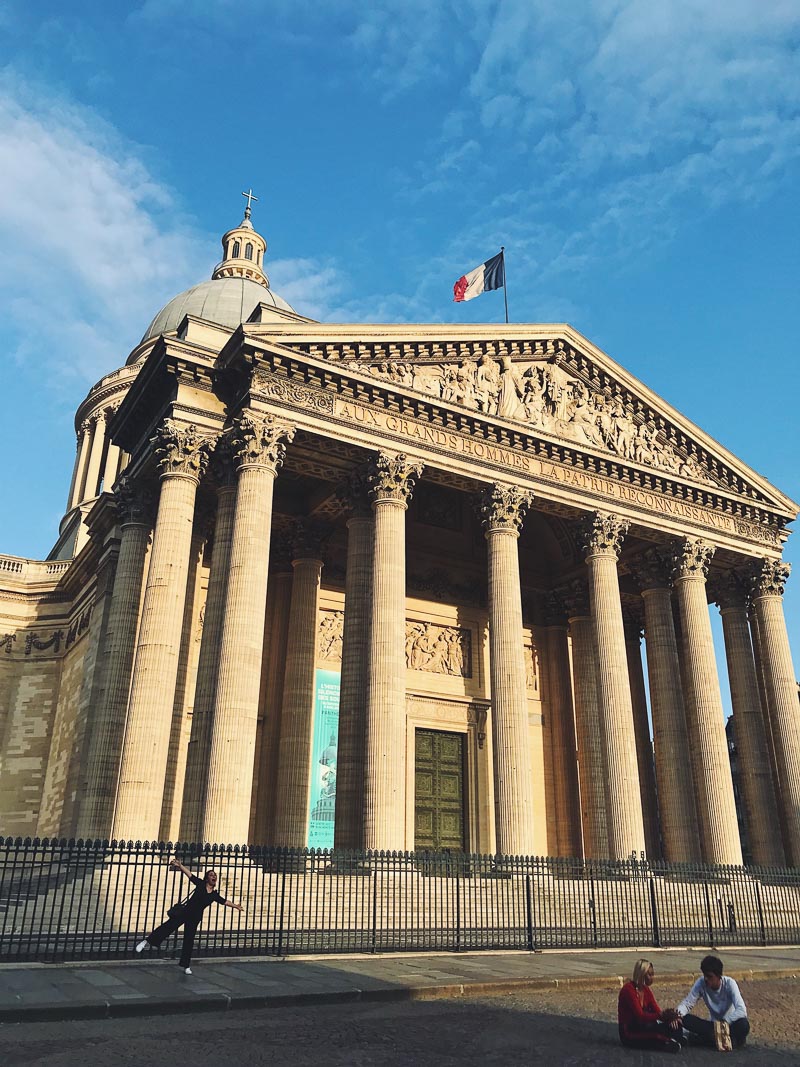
(190, 913)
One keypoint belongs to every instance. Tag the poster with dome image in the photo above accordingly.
(322, 805)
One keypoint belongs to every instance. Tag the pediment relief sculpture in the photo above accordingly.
(547, 397)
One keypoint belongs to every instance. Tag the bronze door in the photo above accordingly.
(439, 791)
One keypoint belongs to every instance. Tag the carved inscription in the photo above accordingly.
(459, 443)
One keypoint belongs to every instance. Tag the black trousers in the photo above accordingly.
(704, 1029)
(162, 932)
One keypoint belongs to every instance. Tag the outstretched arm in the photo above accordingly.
(176, 865)
(230, 904)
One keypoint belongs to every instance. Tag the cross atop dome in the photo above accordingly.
(243, 250)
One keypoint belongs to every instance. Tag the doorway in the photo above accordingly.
(438, 791)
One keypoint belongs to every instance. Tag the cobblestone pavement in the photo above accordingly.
(556, 1027)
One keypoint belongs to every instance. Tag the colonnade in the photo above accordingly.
(605, 782)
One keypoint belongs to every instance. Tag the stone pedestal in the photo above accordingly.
(716, 810)
(182, 455)
(602, 538)
(780, 683)
(259, 448)
(503, 509)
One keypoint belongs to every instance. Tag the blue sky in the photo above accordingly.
(639, 161)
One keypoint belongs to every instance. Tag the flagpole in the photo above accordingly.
(505, 291)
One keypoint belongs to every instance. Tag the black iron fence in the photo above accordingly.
(72, 900)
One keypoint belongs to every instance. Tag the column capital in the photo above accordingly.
(86, 425)
(221, 464)
(768, 577)
(353, 495)
(691, 558)
(729, 590)
(576, 599)
(602, 534)
(554, 612)
(180, 450)
(308, 538)
(134, 503)
(259, 440)
(393, 476)
(503, 507)
(652, 570)
(632, 621)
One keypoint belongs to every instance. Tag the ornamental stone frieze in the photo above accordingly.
(7, 642)
(78, 627)
(259, 440)
(41, 644)
(180, 450)
(768, 577)
(545, 396)
(438, 649)
(602, 533)
(329, 637)
(691, 558)
(271, 387)
(503, 507)
(438, 585)
(393, 477)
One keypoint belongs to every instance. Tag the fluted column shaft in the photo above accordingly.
(195, 781)
(392, 480)
(259, 452)
(678, 814)
(349, 827)
(503, 509)
(119, 644)
(623, 793)
(95, 457)
(591, 762)
(644, 746)
(297, 715)
(146, 746)
(755, 772)
(564, 745)
(781, 691)
(78, 474)
(716, 809)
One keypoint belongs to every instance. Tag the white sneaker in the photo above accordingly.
(187, 970)
(142, 945)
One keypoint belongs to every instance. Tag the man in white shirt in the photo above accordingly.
(728, 1024)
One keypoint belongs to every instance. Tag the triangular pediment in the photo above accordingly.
(547, 380)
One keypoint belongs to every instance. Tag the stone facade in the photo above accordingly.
(472, 526)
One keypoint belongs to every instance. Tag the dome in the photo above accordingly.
(225, 301)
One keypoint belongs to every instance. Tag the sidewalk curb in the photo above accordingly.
(212, 1002)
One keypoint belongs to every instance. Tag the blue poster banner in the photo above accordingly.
(322, 800)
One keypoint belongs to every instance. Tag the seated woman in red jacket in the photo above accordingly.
(642, 1024)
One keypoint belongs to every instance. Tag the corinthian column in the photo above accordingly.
(562, 732)
(349, 826)
(95, 456)
(781, 691)
(118, 646)
(84, 437)
(392, 479)
(716, 809)
(679, 829)
(591, 762)
(182, 455)
(631, 621)
(297, 713)
(503, 509)
(195, 781)
(603, 536)
(755, 771)
(259, 447)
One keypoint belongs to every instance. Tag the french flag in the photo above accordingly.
(490, 275)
